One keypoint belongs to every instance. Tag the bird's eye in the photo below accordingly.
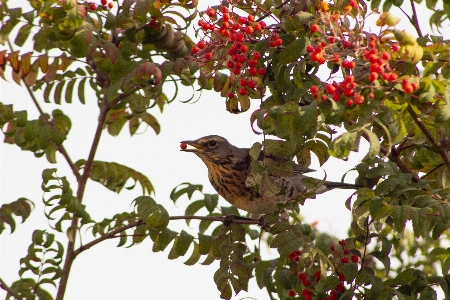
(212, 143)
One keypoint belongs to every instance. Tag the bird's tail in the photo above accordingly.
(341, 185)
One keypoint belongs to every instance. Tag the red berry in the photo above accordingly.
(336, 96)
(340, 287)
(210, 12)
(331, 39)
(231, 95)
(92, 6)
(342, 277)
(373, 76)
(315, 95)
(346, 44)
(355, 258)
(244, 48)
(243, 82)
(313, 89)
(208, 55)
(302, 276)
(344, 260)
(415, 85)
(239, 37)
(346, 251)
(314, 28)
(235, 26)
(317, 275)
(262, 24)
(242, 20)
(262, 71)
(395, 47)
(110, 5)
(349, 102)
(309, 49)
(183, 146)
(292, 293)
(371, 95)
(103, 2)
(224, 9)
(230, 64)
(242, 91)
(237, 71)
(195, 49)
(251, 18)
(342, 243)
(278, 42)
(408, 88)
(306, 282)
(329, 89)
(385, 56)
(201, 44)
(256, 55)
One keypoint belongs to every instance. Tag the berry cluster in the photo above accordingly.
(377, 64)
(227, 41)
(104, 3)
(309, 278)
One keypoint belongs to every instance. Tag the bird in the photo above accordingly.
(228, 169)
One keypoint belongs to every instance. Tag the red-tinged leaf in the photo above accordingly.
(51, 72)
(43, 63)
(30, 79)
(253, 118)
(2, 57)
(25, 63)
(65, 62)
(17, 76)
(13, 58)
(220, 81)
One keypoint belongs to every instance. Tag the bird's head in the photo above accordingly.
(211, 149)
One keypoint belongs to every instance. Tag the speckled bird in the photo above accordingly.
(228, 168)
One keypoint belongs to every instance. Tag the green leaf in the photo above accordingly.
(81, 95)
(341, 146)
(163, 239)
(195, 256)
(183, 243)
(293, 51)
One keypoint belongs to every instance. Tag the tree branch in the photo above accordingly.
(5, 287)
(70, 256)
(109, 235)
(430, 138)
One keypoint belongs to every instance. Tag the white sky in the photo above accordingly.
(108, 272)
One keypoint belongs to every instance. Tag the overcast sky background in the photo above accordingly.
(108, 272)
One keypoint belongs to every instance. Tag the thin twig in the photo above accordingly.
(109, 235)
(394, 158)
(415, 20)
(218, 219)
(10, 291)
(430, 138)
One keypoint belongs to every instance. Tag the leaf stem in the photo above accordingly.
(109, 235)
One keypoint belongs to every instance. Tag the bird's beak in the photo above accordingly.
(197, 147)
